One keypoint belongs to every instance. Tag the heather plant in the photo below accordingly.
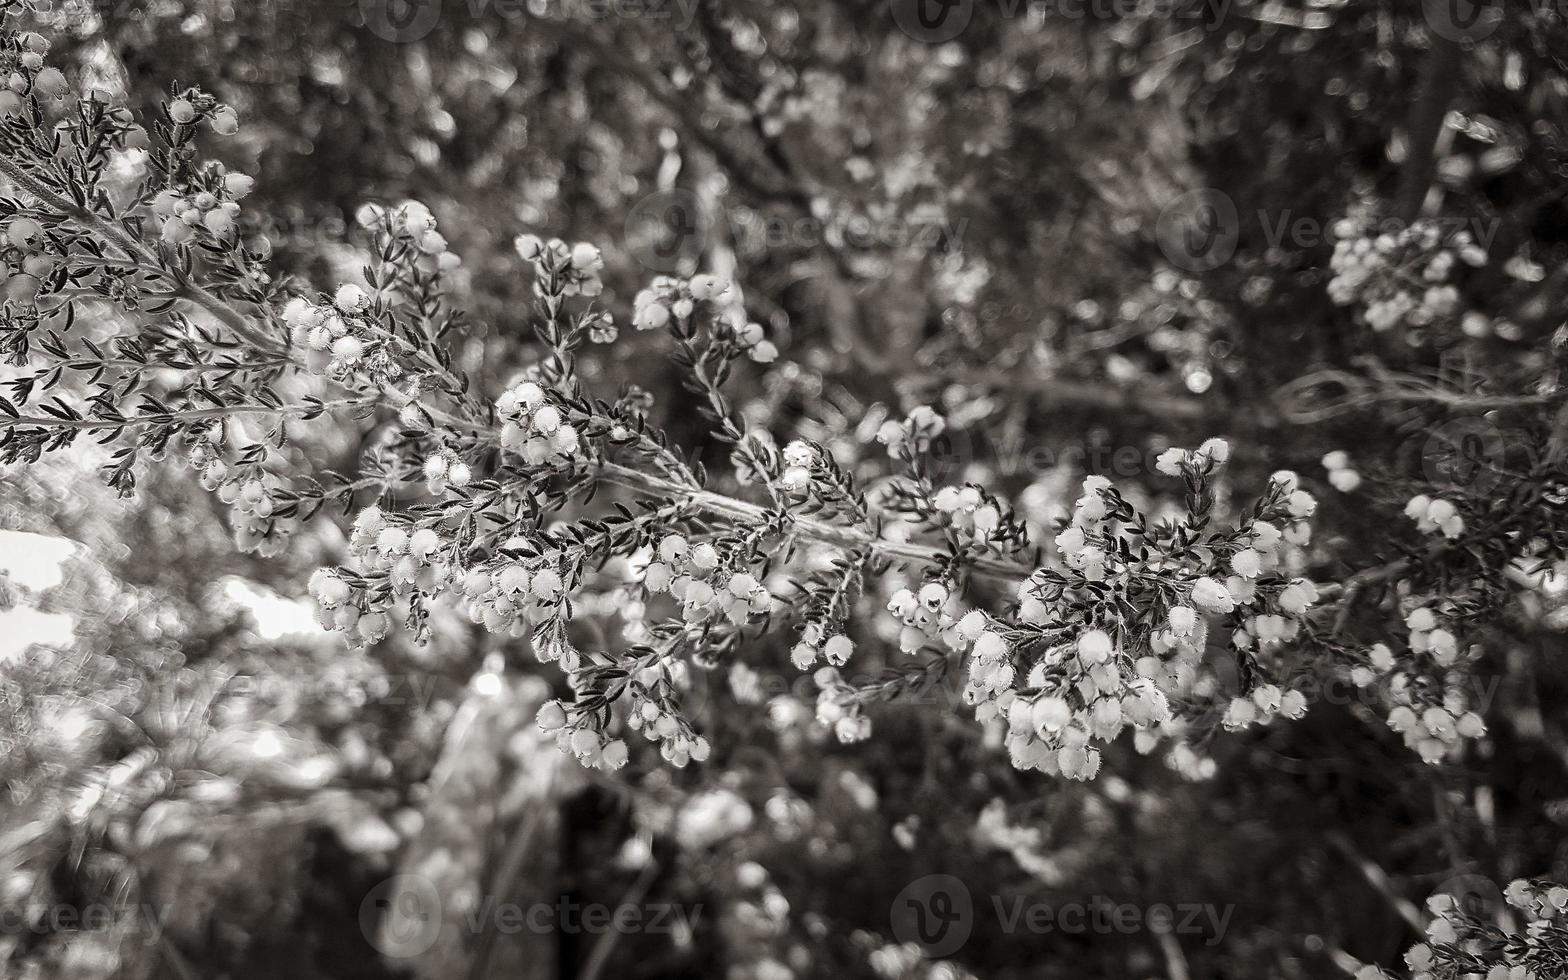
(561, 512)
(1128, 619)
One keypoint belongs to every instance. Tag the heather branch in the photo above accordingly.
(138, 253)
(186, 415)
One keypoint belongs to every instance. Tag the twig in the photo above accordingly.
(1379, 880)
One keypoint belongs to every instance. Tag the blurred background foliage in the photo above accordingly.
(971, 224)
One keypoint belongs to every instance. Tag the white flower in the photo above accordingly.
(924, 420)
(586, 258)
(1071, 541)
(529, 247)
(351, 298)
(1418, 506)
(795, 479)
(799, 453)
(347, 348)
(552, 716)
(327, 588)
(1301, 504)
(990, 647)
(225, 121)
(1296, 598)
(1215, 449)
(1265, 536)
(651, 317)
(1246, 563)
(1211, 596)
(1170, 461)
(1095, 646)
(673, 548)
(546, 585)
(615, 754)
(708, 287)
(1344, 480)
(1443, 646)
(837, 649)
(1241, 713)
(972, 624)
(1293, 705)
(1183, 620)
(705, 557)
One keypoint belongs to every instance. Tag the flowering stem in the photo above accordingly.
(138, 253)
(164, 418)
(838, 537)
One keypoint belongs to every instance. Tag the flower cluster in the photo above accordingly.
(1082, 698)
(412, 225)
(1168, 623)
(584, 728)
(1465, 939)
(660, 722)
(534, 429)
(591, 747)
(839, 708)
(24, 259)
(706, 585)
(668, 303)
(1077, 668)
(1431, 710)
(254, 494)
(1434, 515)
(1401, 276)
(26, 74)
(194, 106)
(344, 335)
(1267, 700)
(919, 427)
(443, 469)
(510, 595)
(578, 265)
(392, 559)
(970, 510)
(1341, 474)
(836, 649)
(929, 614)
(799, 458)
(183, 215)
